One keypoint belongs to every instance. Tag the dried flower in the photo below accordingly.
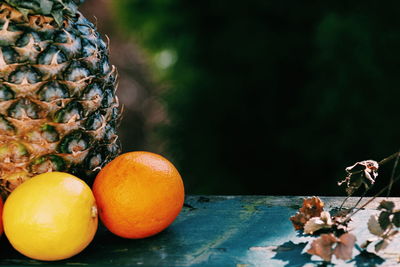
(361, 173)
(312, 207)
(327, 245)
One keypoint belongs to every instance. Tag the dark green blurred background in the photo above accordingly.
(257, 97)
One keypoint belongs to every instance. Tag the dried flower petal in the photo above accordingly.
(298, 220)
(344, 247)
(322, 246)
(374, 226)
(368, 166)
(312, 207)
(313, 225)
(326, 217)
(318, 223)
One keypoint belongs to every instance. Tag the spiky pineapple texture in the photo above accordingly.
(58, 9)
(58, 108)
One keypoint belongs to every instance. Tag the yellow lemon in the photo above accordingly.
(52, 216)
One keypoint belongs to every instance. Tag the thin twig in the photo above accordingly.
(349, 195)
(344, 201)
(371, 199)
(386, 160)
(393, 173)
(359, 200)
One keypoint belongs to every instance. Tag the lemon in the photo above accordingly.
(52, 216)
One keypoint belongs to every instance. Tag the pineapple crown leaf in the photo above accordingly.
(56, 8)
(46, 6)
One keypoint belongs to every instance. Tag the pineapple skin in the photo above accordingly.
(58, 108)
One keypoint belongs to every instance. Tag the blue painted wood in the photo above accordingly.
(238, 231)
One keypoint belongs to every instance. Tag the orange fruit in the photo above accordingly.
(138, 194)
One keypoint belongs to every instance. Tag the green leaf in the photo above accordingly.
(386, 205)
(396, 219)
(384, 220)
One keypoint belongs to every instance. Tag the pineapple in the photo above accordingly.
(58, 108)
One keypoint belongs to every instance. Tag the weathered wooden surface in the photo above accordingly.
(238, 231)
